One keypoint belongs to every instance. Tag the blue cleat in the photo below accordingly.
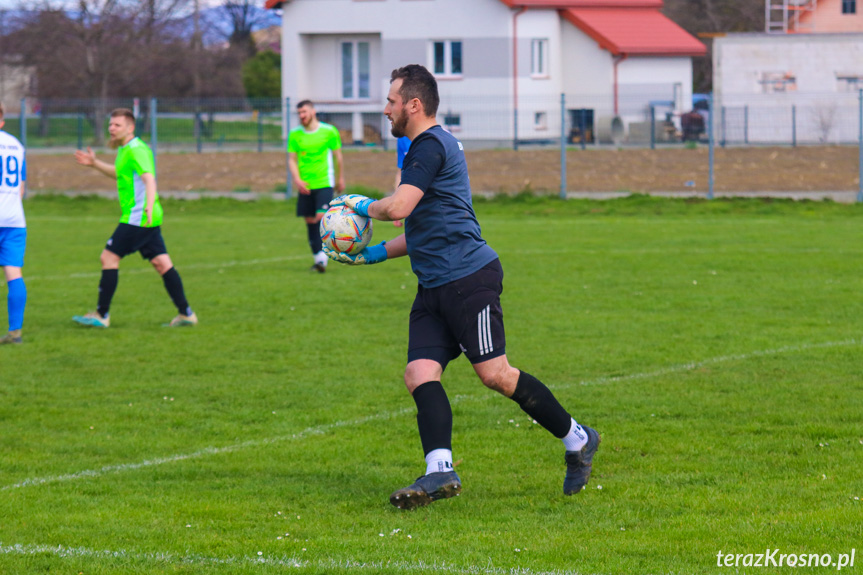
(92, 319)
(428, 488)
(579, 463)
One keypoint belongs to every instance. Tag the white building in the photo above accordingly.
(501, 65)
(799, 82)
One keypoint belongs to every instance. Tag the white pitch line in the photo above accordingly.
(321, 429)
(696, 364)
(277, 561)
(228, 264)
(309, 431)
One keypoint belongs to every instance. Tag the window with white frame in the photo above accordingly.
(452, 121)
(540, 120)
(777, 82)
(849, 82)
(446, 56)
(355, 70)
(539, 57)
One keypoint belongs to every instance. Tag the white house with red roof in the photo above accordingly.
(501, 65)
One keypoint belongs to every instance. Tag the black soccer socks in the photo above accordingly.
(315, 242)
(536, 400)
(107, 287)
(174, 285)
(434, 416)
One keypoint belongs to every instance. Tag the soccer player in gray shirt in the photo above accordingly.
(457, 307)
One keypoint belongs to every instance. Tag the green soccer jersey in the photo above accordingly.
(134, 159)
(315, 154)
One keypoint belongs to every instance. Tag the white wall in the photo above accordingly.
(818, 102)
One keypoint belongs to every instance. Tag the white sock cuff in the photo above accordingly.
(576, 438)
(439, 460)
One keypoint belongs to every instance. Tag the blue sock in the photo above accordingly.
(16, 300)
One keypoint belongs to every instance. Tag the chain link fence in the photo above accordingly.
(642, 116)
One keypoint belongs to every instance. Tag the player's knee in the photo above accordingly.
(108, 259)
(420, 372)
(500, 379)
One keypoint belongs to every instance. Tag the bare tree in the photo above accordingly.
(244, 16)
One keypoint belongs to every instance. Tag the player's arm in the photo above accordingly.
(391, 208)
(294, 168)
(150, 195)
(340, 170)
(23, 189)
(88, 159)
(396, 247)
(397, 206)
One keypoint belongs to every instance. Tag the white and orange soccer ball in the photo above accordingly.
(345, 231)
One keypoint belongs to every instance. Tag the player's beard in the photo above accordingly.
(115, 143)
(400, 125)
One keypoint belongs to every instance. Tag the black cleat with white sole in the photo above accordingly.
(428, 488)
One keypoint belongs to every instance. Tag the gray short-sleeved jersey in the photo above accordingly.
(443, 236)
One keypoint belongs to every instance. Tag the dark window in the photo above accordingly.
(849, 6)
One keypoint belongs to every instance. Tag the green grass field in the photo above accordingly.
(716, 345)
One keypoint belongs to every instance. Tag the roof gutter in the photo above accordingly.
(515, 16)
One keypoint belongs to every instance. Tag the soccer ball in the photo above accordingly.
(345, 231)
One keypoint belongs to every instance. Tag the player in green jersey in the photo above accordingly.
(139, 228)
(316, 165)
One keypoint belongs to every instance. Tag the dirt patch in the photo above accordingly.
(498, 171)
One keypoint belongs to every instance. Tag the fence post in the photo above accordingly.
(582, 127)
(710, 147)
(80, 132)
(722, 139)
(260, 132)
(562, 146)
(794, 125)
(652, 127)
(746, 124)
(154, 131)
(289, 182)
(22, 122)
(860, 148)
(515, 129)
(198, 143)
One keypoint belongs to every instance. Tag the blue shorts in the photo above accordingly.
(13, 241)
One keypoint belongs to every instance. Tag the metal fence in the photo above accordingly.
(650, 116)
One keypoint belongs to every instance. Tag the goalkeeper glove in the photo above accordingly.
(370, 255)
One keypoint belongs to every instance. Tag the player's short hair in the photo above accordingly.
(2, 111)
(302, 103)
(418, 82)
(125, 112)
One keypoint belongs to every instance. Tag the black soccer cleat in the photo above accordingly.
(579, 463)
(318, 267)
(428, 488)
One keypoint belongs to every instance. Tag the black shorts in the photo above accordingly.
(463, 316)
(317, 202)
(128, 239)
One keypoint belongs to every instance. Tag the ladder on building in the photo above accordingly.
(789, 16)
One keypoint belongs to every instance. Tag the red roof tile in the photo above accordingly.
(635, 31)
